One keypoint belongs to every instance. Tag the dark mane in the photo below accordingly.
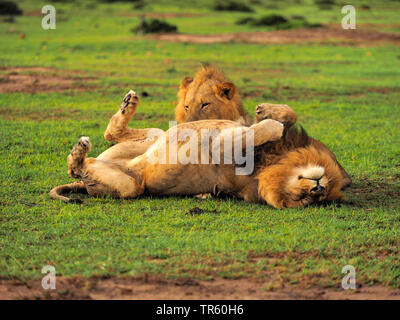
(271, 152)
(295, 137)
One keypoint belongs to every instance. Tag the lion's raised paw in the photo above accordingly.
(131, 99)
(84, 143)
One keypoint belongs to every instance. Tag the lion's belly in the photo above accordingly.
(173, 166)
(180, 179)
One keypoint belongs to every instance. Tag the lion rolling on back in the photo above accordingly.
(289, 172)
(208, 96)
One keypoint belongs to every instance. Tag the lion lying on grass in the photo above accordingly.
(289, 170)
(211, 96)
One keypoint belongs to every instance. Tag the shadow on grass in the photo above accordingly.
(362, 193)
(370, 193)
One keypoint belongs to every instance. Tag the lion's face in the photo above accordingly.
(304, 176)
(307, 185)
(209, 96)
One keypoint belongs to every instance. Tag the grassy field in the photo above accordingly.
(346, 96)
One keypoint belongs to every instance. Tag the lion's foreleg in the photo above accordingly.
(247, 137)
(266, 131)
(279, 112)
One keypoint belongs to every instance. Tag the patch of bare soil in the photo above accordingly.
(333, 35)
(33, 13)
(164, 15)
(10, 114)
(128, 288)
(40, 79)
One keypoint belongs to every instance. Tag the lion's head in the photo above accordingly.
(301, 177)
(209, 96)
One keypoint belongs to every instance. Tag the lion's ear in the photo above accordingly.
(185, 82)
(225, 90)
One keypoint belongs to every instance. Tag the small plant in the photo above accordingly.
(365, 7)
(230, 5)
(301, 22)
(325, 4)
(246, 20)
(137, 4)
(270, 20)
(154, 26)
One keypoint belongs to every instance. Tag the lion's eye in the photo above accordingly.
(204, 105)
(300, 177)
(186, 108)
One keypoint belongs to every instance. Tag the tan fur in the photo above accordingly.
(286, 115)
(285, 185)
(210, 87)
(284, 156)
(279, 112)
(130, 144)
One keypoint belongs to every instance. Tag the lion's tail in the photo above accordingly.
(56, 192)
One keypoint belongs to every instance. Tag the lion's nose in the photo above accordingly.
(317, 189)
(259, 109)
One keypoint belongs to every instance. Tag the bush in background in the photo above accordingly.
(154, 26)
(8, 8)
(325, 4)
(229, 5)
(278, 22)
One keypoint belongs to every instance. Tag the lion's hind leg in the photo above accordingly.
(77, 156)
(118, 130)
(100, 177)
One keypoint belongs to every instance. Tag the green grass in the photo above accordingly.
(346, 96)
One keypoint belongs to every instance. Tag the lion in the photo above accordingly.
(210, 95)
(298, 174)
(286, 115)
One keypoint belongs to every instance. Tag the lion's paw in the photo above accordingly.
(84, 143)
(131, 100)
(77, 155)
(279, 112)
(81, 148)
